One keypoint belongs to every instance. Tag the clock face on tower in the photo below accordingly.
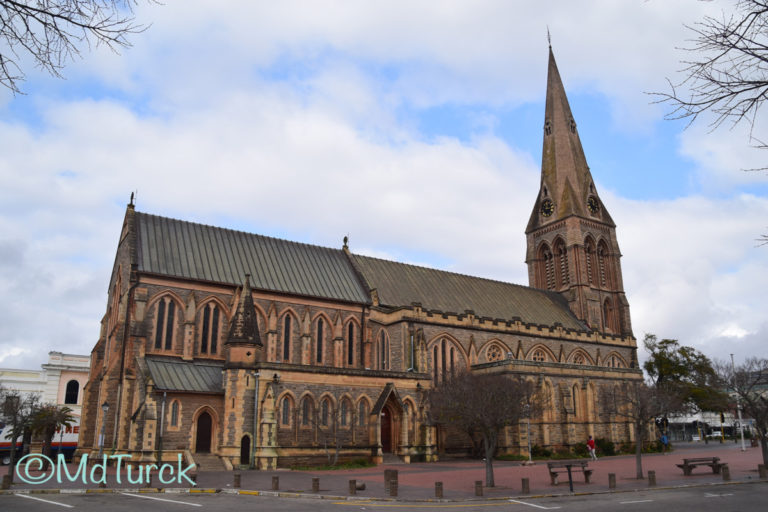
(547, 207)
(593, 204)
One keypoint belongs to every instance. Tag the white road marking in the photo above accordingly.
(161, 499)
(532, 505)
(708, 495)
(636, 501)
(46, 501)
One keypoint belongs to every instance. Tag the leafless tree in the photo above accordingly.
(483, 404)
(641, 404)
(749, 383)
(52, 32)
(728, 75)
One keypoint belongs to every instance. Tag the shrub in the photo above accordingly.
(563, 453)
(540, 453)
(580, 449)
(509, 456)
(605, 447)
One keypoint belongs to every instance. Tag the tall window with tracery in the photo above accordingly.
(562, 263)
(209, 333)
(546, 268)
(319, 341)
(306, 411)
(539, 355)
(287, 338)
(351, 344)
(285, 412)
(602, 261)
(383, 351)
(589, 256)
(362, 413)
(325, 408)
(164, 323)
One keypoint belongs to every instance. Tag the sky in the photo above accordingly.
(413, 127)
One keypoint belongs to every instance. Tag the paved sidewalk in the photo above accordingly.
(417, 481)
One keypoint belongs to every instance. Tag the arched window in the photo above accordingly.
(209, 332)
(446, 359)
(287, 338)
(494, 353)
(546, 268)
(285, 412)
(72, 392)
(351, 344)
(579, 359)
(539, 355)
(562, 263)
(344, 413)
(576, 401)
(319, 341)
(362, 413)
(175, 413)
(164, 323)
(383, 351)
(306, 411)
(603, 264)
(589, 253)
(324, 412)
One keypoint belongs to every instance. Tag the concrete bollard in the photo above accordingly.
(236, 483)
(315, 484)
(478, 487)
(762, 471)
(526, 486)
(389, 476)
(393, 487)
(275, 483)
(611, 480)
(352, 487)
(651, 479)
(726, 472)
(438, 489)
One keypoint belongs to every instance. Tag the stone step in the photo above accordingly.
(208, 462)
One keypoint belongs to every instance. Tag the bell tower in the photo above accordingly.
(571, 237)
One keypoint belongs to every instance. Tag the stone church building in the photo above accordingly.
(237, 348)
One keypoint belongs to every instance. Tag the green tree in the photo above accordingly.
(686, 372)
(483, 405)
(46, 420)
(17, 410)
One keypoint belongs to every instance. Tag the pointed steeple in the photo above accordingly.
(244, 328)
(567, 187)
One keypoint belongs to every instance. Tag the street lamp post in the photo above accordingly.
(738, 404)
(104, 410)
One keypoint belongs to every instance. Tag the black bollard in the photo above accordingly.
(478, 487)
(236, 483)
(611, 480)
(352, 487)
(651, 479)
(275, 483)
(438, 489)
(315, 484)
(526, 486)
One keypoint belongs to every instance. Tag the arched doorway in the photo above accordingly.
(386, 430)
(245, 450)
(203, 437)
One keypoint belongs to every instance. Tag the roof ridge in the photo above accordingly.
(454, 273)
(240, 231)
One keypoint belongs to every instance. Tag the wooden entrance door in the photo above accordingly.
(386, 430)
(203, 438)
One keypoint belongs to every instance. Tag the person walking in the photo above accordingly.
(591, 448)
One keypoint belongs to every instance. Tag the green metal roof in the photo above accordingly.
(177, 375)
(399, 285)
(195, 251)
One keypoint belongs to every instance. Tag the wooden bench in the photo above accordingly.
(688, 464)
(561, 466)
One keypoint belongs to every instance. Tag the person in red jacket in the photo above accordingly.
(591, 448)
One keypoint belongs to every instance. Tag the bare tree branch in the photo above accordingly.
(51, 32)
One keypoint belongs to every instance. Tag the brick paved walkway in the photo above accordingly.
(417, 481)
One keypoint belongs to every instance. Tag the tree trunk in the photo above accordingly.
(639, 448)
(489, 440)
(764, 447)
(11, 469)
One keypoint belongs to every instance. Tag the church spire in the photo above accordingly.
(572, 247)
(245, 328)
(567, 187)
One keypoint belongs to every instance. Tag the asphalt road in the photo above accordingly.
(716, 498)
